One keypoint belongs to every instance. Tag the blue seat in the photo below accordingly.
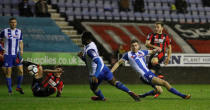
(42, 35)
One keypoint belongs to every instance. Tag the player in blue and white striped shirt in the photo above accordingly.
(98, 71)
(137, 61)
(13, 50)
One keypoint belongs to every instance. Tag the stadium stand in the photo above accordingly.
(197, 45)
(109, 10)
(155, 10)
(10, 7)
(42, 35)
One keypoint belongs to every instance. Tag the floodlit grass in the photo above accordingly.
(77, 97)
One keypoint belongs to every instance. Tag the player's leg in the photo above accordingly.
(111, 79)
(158, 81)
(108, 76)
(118, 84)
(20, 74)
(20, 79)
(45, 92)
(155, 66)
(157, 90)
(8, 72)
(150, 61)
(96, 90)
(41, 92)
(147, 80)
(36, 90)
(36, 87)
(155, 69)
(7, 69)
(122, 87)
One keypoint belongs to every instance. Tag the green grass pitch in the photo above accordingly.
(77, 97)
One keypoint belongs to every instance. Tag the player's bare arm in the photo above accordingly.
(149, 45)
(116, 65)
(150, 52)
(52, 71)
(169, 51)
(21, 48)
(80, 54)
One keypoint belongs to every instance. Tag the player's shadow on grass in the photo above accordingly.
(163, 98)
(198, 99)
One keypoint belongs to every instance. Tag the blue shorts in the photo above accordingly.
(148, 77)
(105, 74)
(10, 61)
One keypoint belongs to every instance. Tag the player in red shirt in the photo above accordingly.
(161, 41)
(48, 85)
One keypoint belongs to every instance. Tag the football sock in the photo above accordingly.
(174, 91)
(152, 92)
(19, 81)
(9, 84)
(122, 87)
(99, 94)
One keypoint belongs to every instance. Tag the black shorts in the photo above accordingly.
(43, 92)
(39, 91)
(156, 67)
(1, 63)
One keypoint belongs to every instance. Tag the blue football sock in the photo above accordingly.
(152, 92)
(19, 81)
(122, 87)
(174, 91)
(99, 94)
(9, 84)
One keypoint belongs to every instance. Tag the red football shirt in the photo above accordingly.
(160, 40)
(53, 82)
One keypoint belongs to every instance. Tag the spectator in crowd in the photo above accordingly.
(42, 9)
(181, 6)
(25, 9)
(206, 2)
(120, 51)
(117, 55)
(173, 8)
(113, 59)
(124, 5)
(139, 6)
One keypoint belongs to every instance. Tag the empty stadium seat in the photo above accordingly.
(154, 10)
(42, 35)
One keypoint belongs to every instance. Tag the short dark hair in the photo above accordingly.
(134, 41)
(12, 19)
(159, 22)
(87, 36)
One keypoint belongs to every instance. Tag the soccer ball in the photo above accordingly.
(33, 69)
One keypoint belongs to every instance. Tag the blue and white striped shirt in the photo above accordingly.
(12, 40)
(92, 59)
(137, 61)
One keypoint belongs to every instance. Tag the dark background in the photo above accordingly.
(175, 75)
